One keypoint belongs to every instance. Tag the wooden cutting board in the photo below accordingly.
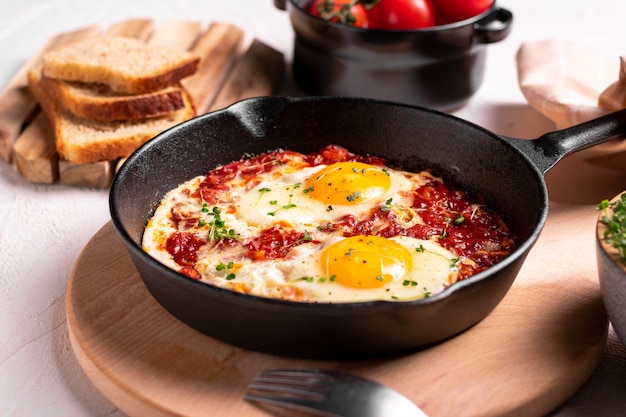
(229, 71)
(528, 356)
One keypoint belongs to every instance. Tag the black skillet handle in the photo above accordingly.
(280, 4)
(550, 148)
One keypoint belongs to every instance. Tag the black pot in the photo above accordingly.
(439, 67)
(507, 172)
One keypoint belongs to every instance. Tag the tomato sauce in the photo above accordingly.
(458, 220)
(183, 246)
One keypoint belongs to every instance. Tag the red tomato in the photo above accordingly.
(340, 11)
(402, 14)
(455, 10)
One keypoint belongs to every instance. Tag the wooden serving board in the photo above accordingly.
(528, 356)
(229, 71)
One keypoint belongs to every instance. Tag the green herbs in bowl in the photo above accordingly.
(613, 217)
(611, 260)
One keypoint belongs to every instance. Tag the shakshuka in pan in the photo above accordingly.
(328, 227)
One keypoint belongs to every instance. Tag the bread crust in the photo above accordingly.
(126, 65)
(82, 141)
(98, 102)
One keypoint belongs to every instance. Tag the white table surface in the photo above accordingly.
(43, 228)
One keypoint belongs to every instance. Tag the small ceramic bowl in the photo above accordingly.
(612, 276)
(439, 67)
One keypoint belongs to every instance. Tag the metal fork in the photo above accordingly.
(329, 393)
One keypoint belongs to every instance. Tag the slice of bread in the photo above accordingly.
(81, 141)
(126, 65)
(98, 102)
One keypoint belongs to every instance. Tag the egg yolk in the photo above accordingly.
(366, 261)
(348, 183)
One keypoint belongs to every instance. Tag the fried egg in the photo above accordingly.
(322, 193)
(362, 268)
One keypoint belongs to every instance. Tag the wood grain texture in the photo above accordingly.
(92, 175)
(259, 72)
(176, 34)
(32, 150)
(220, 47)
(34, 153)
(17, 105)
(529, 355)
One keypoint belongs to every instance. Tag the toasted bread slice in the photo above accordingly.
(98, 102)
(80, 140)
(126, 65)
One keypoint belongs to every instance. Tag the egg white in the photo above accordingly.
(284, 199)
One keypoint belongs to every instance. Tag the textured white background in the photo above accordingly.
(43, 228)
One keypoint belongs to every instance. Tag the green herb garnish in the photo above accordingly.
(354, 196)
(225, 267)
(614, 218)
(218, 228)
(387, 206)
(287, 206)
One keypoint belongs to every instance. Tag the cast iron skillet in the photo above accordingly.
(508, 172)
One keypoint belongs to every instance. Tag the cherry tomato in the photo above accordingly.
(340, 11)
(402, 14)
(456, 10)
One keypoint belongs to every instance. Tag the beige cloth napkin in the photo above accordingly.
(570, 84)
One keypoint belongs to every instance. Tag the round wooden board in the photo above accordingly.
(528, 356)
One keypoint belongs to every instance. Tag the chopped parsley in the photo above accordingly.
(226, 267)
(328, 227)
(353, 196)
(387, 206)
(319, 280)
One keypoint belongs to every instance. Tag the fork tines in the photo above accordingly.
(275, 384)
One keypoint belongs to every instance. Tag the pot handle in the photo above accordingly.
(280, 4)
(494, 27)
(550, 148)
